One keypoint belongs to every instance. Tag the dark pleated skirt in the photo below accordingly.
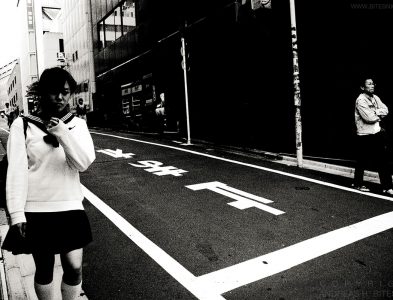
(51, 232)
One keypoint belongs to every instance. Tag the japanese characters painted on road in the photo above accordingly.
(118, 153)
(150, 166)
(243, 199)
(156, 168)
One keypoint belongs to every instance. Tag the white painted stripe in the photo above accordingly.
(253, 166)
(266, 265)
(170, 265)
(230, 191)
(244, 194)
(243, 203)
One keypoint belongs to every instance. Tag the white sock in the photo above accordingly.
(70, 292)
(44, 291)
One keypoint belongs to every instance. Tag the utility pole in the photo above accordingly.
(296, 85)
(184, 66)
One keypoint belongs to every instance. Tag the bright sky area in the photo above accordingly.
(9, 40)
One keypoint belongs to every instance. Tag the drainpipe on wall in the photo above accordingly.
(296, 85)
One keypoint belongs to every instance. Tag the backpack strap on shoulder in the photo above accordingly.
(25, 124)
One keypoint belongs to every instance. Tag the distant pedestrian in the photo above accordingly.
(161, 113)
(44, 196)
(81, 109)
(371, 140)
(35, 108)
(9, 114)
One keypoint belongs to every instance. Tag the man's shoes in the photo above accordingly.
(388, 192)
(363, 188)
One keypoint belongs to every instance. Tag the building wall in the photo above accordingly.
(76, 22)
(231, 61)
(36, 51)
(51, 47)
(3, 92)
(15, 96)
(40, 26)
(27, 51)
(334, 55)
(5, 72)
(240, 78)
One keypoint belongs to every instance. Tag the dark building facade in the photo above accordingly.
(240, 69)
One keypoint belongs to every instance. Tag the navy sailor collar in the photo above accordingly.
(66, 118)
(48, 138)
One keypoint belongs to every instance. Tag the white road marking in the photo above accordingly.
(243, 199)
(217, 184)
(170, 265)
(272, 263)
(336, 186)
(156, 168)
(118, 153)
(212, 285)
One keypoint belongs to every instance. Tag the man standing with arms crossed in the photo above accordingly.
(371, 142)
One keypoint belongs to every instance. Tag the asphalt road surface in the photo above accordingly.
(182, 222)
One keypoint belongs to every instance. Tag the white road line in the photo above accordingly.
(253, 166)
(227, 279)
(243, 203)
(245, 194)
(212, 285)
(170, 265)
